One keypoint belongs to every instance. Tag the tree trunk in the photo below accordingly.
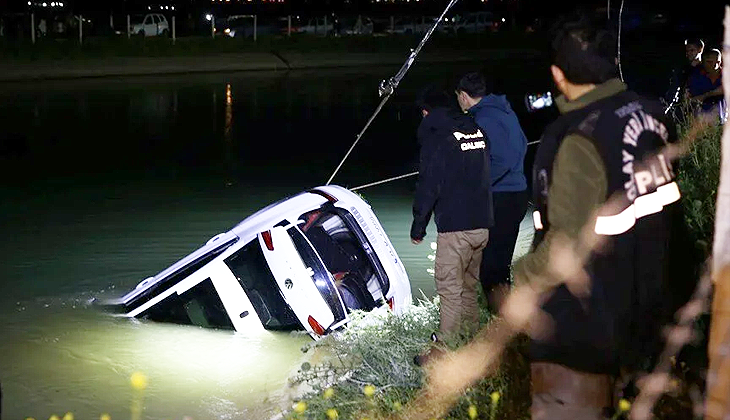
(717, 406)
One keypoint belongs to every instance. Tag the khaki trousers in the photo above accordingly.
(456, 271)
(559, 392)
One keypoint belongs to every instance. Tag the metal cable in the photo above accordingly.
(387, 87)
(620, 14)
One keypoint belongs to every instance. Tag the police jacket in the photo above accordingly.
(453, 180)
(603, 161)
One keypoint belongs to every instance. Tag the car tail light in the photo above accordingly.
(315, 325)
(391, 303)
(329, 197)
(267, 240)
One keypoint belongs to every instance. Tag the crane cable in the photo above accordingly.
(387, 87)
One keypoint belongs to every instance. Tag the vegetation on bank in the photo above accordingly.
(370, 371)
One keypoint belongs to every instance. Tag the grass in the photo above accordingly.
(370, 374)
(369, 371)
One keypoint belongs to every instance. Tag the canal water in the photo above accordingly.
(107, 181)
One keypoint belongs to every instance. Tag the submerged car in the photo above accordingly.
(305, 262)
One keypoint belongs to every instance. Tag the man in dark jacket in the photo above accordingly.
(508, 146)
(601, 172)
(454, 185)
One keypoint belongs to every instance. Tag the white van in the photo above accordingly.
(305, 263)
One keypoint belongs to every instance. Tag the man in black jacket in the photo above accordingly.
(601, 172)
(454, 184)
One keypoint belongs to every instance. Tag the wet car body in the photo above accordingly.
(304, 262)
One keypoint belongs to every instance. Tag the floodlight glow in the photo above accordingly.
(208, 17)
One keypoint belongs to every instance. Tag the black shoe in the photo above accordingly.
(431, 353)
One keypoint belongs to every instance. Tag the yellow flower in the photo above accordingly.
(68, 416)
(329, 393)
(332, 414)
(472, 412)
(368, 390)
(29, 418)
(105, 417)
(53, 417)
(397, 406)
(138, 380)
(300, 407)
(624, 405)
(495, 397)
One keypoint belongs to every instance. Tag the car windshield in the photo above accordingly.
(252, 271)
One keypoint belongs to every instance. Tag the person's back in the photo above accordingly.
(508, 146)
(459, 153)
(601, 176)
(453, 184)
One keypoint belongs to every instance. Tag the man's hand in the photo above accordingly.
(415, 241)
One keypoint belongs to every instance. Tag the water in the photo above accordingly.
(107, 181)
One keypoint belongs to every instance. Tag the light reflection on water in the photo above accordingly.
(190, 160)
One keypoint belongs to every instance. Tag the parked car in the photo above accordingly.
(317, 26)
(411, 25)
(242, 26)
(151, 24)
(475, 23)
(359, 25)
(304, 262)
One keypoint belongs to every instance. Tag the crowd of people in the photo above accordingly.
(603, 186)
(699, 80)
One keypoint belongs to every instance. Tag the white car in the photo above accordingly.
(304, 262)
(151, 24)
(475, 23)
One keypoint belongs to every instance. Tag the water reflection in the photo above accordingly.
(110, 181)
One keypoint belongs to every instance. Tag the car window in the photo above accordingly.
(339, 244)
(148, 20)
(174, 278)
(252, 271)
(200, 306)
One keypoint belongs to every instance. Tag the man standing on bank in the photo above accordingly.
(600, 168)
(508, 146)
(454, 185)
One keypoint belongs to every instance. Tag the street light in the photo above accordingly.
(208, 17)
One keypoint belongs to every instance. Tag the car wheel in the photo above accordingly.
(165, 33)
(141, 33)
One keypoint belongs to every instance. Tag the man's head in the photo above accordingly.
(584, 54)
(472, 87)
(432, 97)
(712, 60)
(693, 48)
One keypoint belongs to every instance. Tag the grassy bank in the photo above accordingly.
(370, 373)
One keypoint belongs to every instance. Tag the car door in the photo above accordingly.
(150, 27)
(303, 279)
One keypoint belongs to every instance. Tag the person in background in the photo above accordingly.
(693, 48)
(705, 85)
(453, 185)
(508, 146)
(600, 176)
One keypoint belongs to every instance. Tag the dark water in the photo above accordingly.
(107, 181)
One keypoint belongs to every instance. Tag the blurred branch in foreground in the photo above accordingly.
(449, 376)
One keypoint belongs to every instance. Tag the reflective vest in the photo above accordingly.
(615, 326)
